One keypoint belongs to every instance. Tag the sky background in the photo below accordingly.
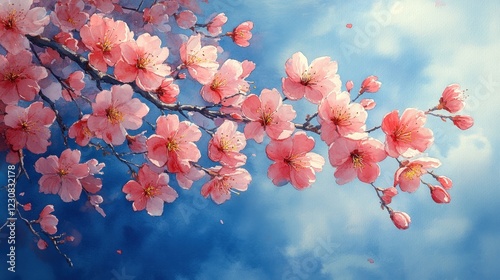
(416, 48)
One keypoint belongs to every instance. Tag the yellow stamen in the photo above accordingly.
(114, 116)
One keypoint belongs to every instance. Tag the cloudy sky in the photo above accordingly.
(416, 48)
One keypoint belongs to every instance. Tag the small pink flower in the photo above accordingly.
(242, 34)
(90, 183)
(339, 117)
(368, 104)
(76, 84)
(19, 77)
(452, 99)
(268, 114)
(224, 181)
(168, 91)
(214, 27)
(173, 144)
(463, 122)
(406, 136)
(114, 112)
(69, 15)
(67, 39)
(29, 127)
(137, 143)
(156, 17)
(445, 182)
(408, 176)
(149, 191)
(388, 194)
(313, 81)
(226, 144)
(356, 158)
(400, 219)
(95, 200)
(224, 84)
(81, 132)
(47, 221)
(186, 179)
(27, 207)
(62, 175)
(41, 244)
(370, 84)
(293, 161)
(440, 195)
(200, 61)
(349, 85)
(185, 19)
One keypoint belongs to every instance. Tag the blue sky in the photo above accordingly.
(416, 48)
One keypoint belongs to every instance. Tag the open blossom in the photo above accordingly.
(114, 112)
(268, 114)
(76, 84)
(370, 84)
(400, 219)
(29, 127)
(200, 61)
(19, 77)
(81, 132)
(168, 91)
(143, 61)
(406, 136)
(149, 191)
(156, 17)
(242, 34)
(226, 144)
(62, 175)
(293, 161)
(17, 20)
(356, 158)
(90, 183)
(439, 194)
(339, 117)
(225, 83)
(185, 19)
(214, 27)
(224, 181)
(173, 144)
(69, 15)
(103, 37)
(48, 222)
(463, 122)
(408, 175)
(452, 99)
(313, 81)
(388, 194)
(186, 179)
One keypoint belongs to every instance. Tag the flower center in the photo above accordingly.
(341, 116)
(105, 45)
(402, 135)
(143, 62)
(307, 76)
(26, 126)
(413, 172)
(114, 115)
(226, 145)
(298, 161)
(151, 191)
(11, 76)
(357, 159)
(172, 146)
(62, 172)
(266, 117)
(217, 83)
(10, 22)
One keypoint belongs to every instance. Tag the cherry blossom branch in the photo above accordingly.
(373, 129)
(382, 203)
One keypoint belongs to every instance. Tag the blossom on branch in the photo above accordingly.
(200, 61)
(452, 99)
(69, 15)
(408, 175)
(47, 221)
(226, 144)
(224, 181)
(242, 34)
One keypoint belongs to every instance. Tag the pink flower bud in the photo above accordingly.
(388, 194)
(349, 85)
(214, 27)
(27, 207)
(368, 104)
(440, 195)
(452, 99)
(242, 33)
(42, 245)
(445, 182)
(400, 219)
(370, 84)
(463, 122)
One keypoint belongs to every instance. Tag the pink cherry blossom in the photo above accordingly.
(268, 114)
(225, 83)
(388, 194)
(143, 61)
(242, 34)
(149, 191)
(48, 222)
(367, 103)
(226, 144)
(173, 144)
(356, 158)
(186, 179)
(19, 77)
(439, 194)
(17, 20)
(452, 99)
(75, 83)
(349, 85)
(168, 91)
(62, 175)
(339, 117)
(29, 127)
(105, 6)
(224, 181)
(103, 37)
(313, 81)
(156, 17)
(406, 136)
(445, 182)
(27, 207)
(90, 183)
(400, 219)
(408, 175)
(137, 143)
(463, 122)
(69, 15)
(293, 161)
(114, 112)
(95, 201)
(41, 244)
(370, 84)
(185, 19)
(214, 27)
(81, 132)
(67, 39)
(200, 61)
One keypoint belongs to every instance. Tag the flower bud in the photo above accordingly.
(463, 122)
(388, 194)
(370, 84)
(349, 85)
(440, 195)
(42, 245)
(368, 104)
(445, 182)
(400, 219)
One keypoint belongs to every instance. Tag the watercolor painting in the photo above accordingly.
(232, 139)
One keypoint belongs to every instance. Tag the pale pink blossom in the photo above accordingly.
(356, 158)
(268, 114)
(400, 219)
(367, 103)
(370, 84)
(339, 117)
(293, 161)
(439, 194)
(186, 179)
(349, 85)
(90, 183)
(137, 143)
(388, 194)
(200, 61)
(452, 99)
(67, 39)
(408, 175)
(156, 17)
(149, 191)
(445, 182)
(17, 20)
(172, 6)
(29, 127)
(214, 27)
(62, 175)
(406, 136)
(226, 144)
(242, 34)
(173, 144)
(103, 37)
(95, 201)
(75, 83)
(185, 19)
(224, 181)
(48, 222)
(463, 122)
(41, 244)
(168, 91)
(19, 77)
(114, 112)
(81, 132)
(69, 15)
(105, 6)
(313, 81)
(224, 84)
